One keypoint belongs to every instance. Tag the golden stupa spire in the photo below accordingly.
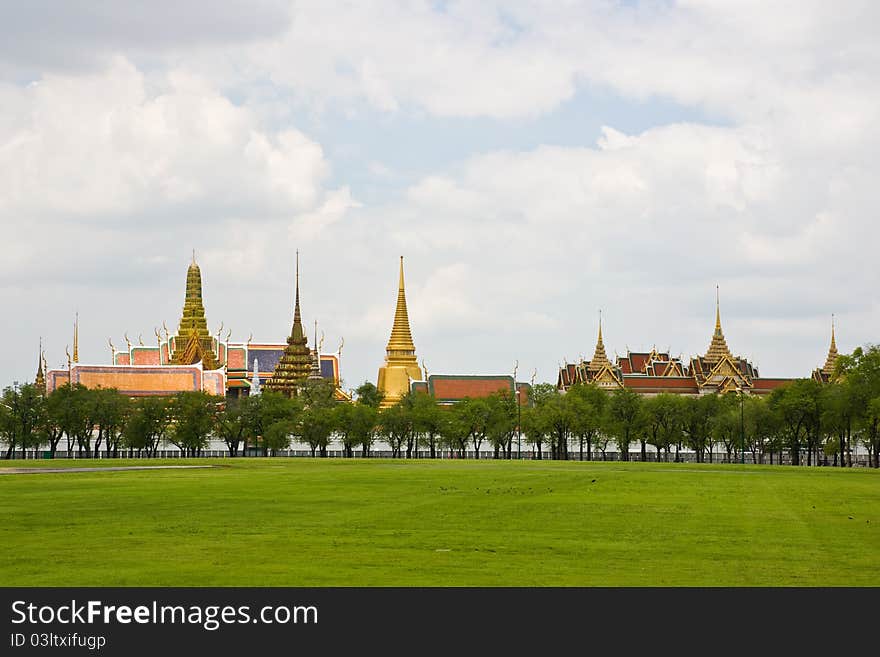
(600, 358)
(828, 368)
(401, 343)
(401, 365)
(718, 347)
(76, 338)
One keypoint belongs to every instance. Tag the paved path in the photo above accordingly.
(118, 468)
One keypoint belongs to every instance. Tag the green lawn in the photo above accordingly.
(320, 522)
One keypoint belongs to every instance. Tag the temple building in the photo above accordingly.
(651, 373)
(194, 359)
(401, 366)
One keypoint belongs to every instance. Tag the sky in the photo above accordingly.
(534, 163)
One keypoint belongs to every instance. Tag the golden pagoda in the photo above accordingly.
(831, 360)
(600, 358)
(193, 342)
(40, 378)
(718, 347)
(295, 365)
(401, 365)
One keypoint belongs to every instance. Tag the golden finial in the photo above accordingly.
(76, 339)
(67, 353)
(112, 351)
(717, 308)
(166, 330)
(250, 337)
(141, 339)
(228, 334)
(425, 369)
(219, 330)
(158, 338)
(194, 256)
(532, 379)
(317, 346)
(127, 341)
(341, 345)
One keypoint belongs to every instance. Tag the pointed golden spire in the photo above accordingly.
(296, 362)
(401, 365)
(718, 347)
(401, 343)
(600, 358)
(76, 339)
(830, 361)
(40, 379)
(187, 350)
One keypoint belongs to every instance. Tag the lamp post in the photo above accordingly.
(518, 414)
(742, 425)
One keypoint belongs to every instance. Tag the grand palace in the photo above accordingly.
(193, 359)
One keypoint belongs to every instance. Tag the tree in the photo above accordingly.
(697, 423)
(501, 422)
(192, 420)
(22, 408)
(660, 419)
(109, 412)
(231, 423)
(355, 423)
(396, 426)
(369, 395)
(474, 415)
(315, 426)
(587, 404)
(265, 410)
(623, 418)
(861, 370)
(147, 425)
(428, 421)
(534, 427)
(454, 431)
(797, 407)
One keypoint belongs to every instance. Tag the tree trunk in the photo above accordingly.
(644, 451)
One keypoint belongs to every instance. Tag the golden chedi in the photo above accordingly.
(401, 366)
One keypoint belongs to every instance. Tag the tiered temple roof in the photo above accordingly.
(653, 372)
(295, 365)
(193, 343)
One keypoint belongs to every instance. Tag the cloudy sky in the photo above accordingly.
(534, 163)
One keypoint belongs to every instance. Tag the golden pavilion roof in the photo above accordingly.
(831, 360)
(718, 347)
(600, 358)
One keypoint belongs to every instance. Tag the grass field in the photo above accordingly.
(320, 522)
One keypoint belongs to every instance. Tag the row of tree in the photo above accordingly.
(804, 421)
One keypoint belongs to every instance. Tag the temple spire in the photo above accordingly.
(40, 379)
(295, 364)
(831, 360)
(401, 365)
(193, 342)
(76, 339)
(600, 358)
(401, 343)
(718, 347)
